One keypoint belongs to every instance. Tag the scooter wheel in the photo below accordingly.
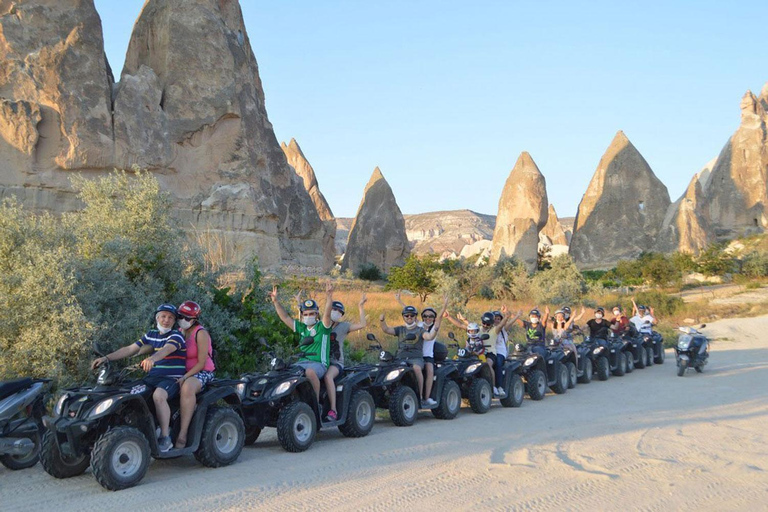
(682, 365)
(23, 461)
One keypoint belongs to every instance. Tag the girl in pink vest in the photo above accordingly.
(199, 364)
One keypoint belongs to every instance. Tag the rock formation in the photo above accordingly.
(553, 231)
(298, 161)
(737, 198)
(481, 249)
(189, 107)
(438, 232)
(377, 235)
(687, 226)
(522, 214)
(622, 211)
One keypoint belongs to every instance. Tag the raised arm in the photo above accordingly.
(361, 324)
(634, 307)
(432, 334)
(327, 322)
(576, 318)
(455, 322)
(506, 317)
(546, 317)
(399, 299)
(653, 315)
(384, 327)
(284, 316)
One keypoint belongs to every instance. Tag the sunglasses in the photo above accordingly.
(409, 316)
(188, 319)
(428, 316)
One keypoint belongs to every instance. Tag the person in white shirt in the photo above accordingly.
(643, 318)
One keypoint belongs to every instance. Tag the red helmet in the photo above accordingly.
(189, 309)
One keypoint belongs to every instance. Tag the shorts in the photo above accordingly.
(169, 384)
(318, 368)
(337, 365)
(204, 377)
(430, 360)
(413, 361)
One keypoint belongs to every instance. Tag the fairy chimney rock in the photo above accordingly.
(622, 211)
(522, 214)
(377, 235)
(737, 195)
(553, 230)
(687, 227)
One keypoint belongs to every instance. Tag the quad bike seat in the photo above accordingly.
(12, 386)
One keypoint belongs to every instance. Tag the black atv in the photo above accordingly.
(576, 365)
(634, 348)
(112, 427)
(588, 360)
(22, 406)
(540, 371)
(473, 377)
(514, 387)
(654, 345)
(283, 398)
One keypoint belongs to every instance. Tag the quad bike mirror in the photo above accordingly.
(97, 348)
(370, 337)
(451, 335)
(703, 326)
(484, 336)
(262, 342)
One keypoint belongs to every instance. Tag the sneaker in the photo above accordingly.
(496, 391)
(164, 443)
(331, 416)
(430, 402)
(502, 393)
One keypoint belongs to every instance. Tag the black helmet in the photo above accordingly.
(535, 312)
(567, 312)
(497, 313)
(170, 308)
(600, 310)
(410, 310)
(640, 306)
(309, 305)
(428, 309)
(487, 318)
(338, 305)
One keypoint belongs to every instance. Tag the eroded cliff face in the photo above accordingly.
(447, 231)
(189, 107)
(523, 211)
(622, 211)
(737, 194)
(377, 235)
(687, 226)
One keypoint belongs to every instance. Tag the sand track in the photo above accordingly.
(647, 441)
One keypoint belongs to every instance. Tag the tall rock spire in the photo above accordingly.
(378, 234)
(522, 213)
(622, 211)
(737, 198)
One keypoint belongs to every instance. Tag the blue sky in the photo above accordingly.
(444, 96)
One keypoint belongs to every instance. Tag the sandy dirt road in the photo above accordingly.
(646, 441)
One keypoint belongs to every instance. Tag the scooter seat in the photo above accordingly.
(12, 386)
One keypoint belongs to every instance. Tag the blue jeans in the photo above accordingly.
(499, 367)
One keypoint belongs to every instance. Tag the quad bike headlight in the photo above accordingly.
(599, 350)
(60, 404)
(394, 374)
(530, 361)
(283, 388)
(471, 368)
(101, 408)
(240, 389)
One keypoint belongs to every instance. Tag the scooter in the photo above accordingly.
(22, 406)
(692, 350)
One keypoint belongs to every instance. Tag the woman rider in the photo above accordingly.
(199, 364)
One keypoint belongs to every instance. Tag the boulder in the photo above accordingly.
(622, 211)
(522, 214)
(553, 230)
(377, 235)
(737, 197)
(298, 161)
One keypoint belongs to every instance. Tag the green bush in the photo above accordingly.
(370, 272)
(560, 284)
(416, 275)
(662, 303)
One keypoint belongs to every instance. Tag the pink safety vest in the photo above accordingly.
(192, 350)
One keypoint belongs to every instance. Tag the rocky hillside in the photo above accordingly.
(189, 107)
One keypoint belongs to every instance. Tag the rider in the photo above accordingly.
(475, 344)
(536, 330)
(428, 317)
(644, 319)
(339, 332)
(599, 327)
(165, 366)
(412, 351)
(498, 341)
(199, 368)
(619, 322)
(562, 329)
(315, 363)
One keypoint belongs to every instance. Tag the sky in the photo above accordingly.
(443, 96)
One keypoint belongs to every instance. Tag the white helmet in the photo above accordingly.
(473, 330)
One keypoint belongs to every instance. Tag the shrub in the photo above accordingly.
(510, 280)
(662, 303)
(416, 275)
(370, 272)
(561, 284)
